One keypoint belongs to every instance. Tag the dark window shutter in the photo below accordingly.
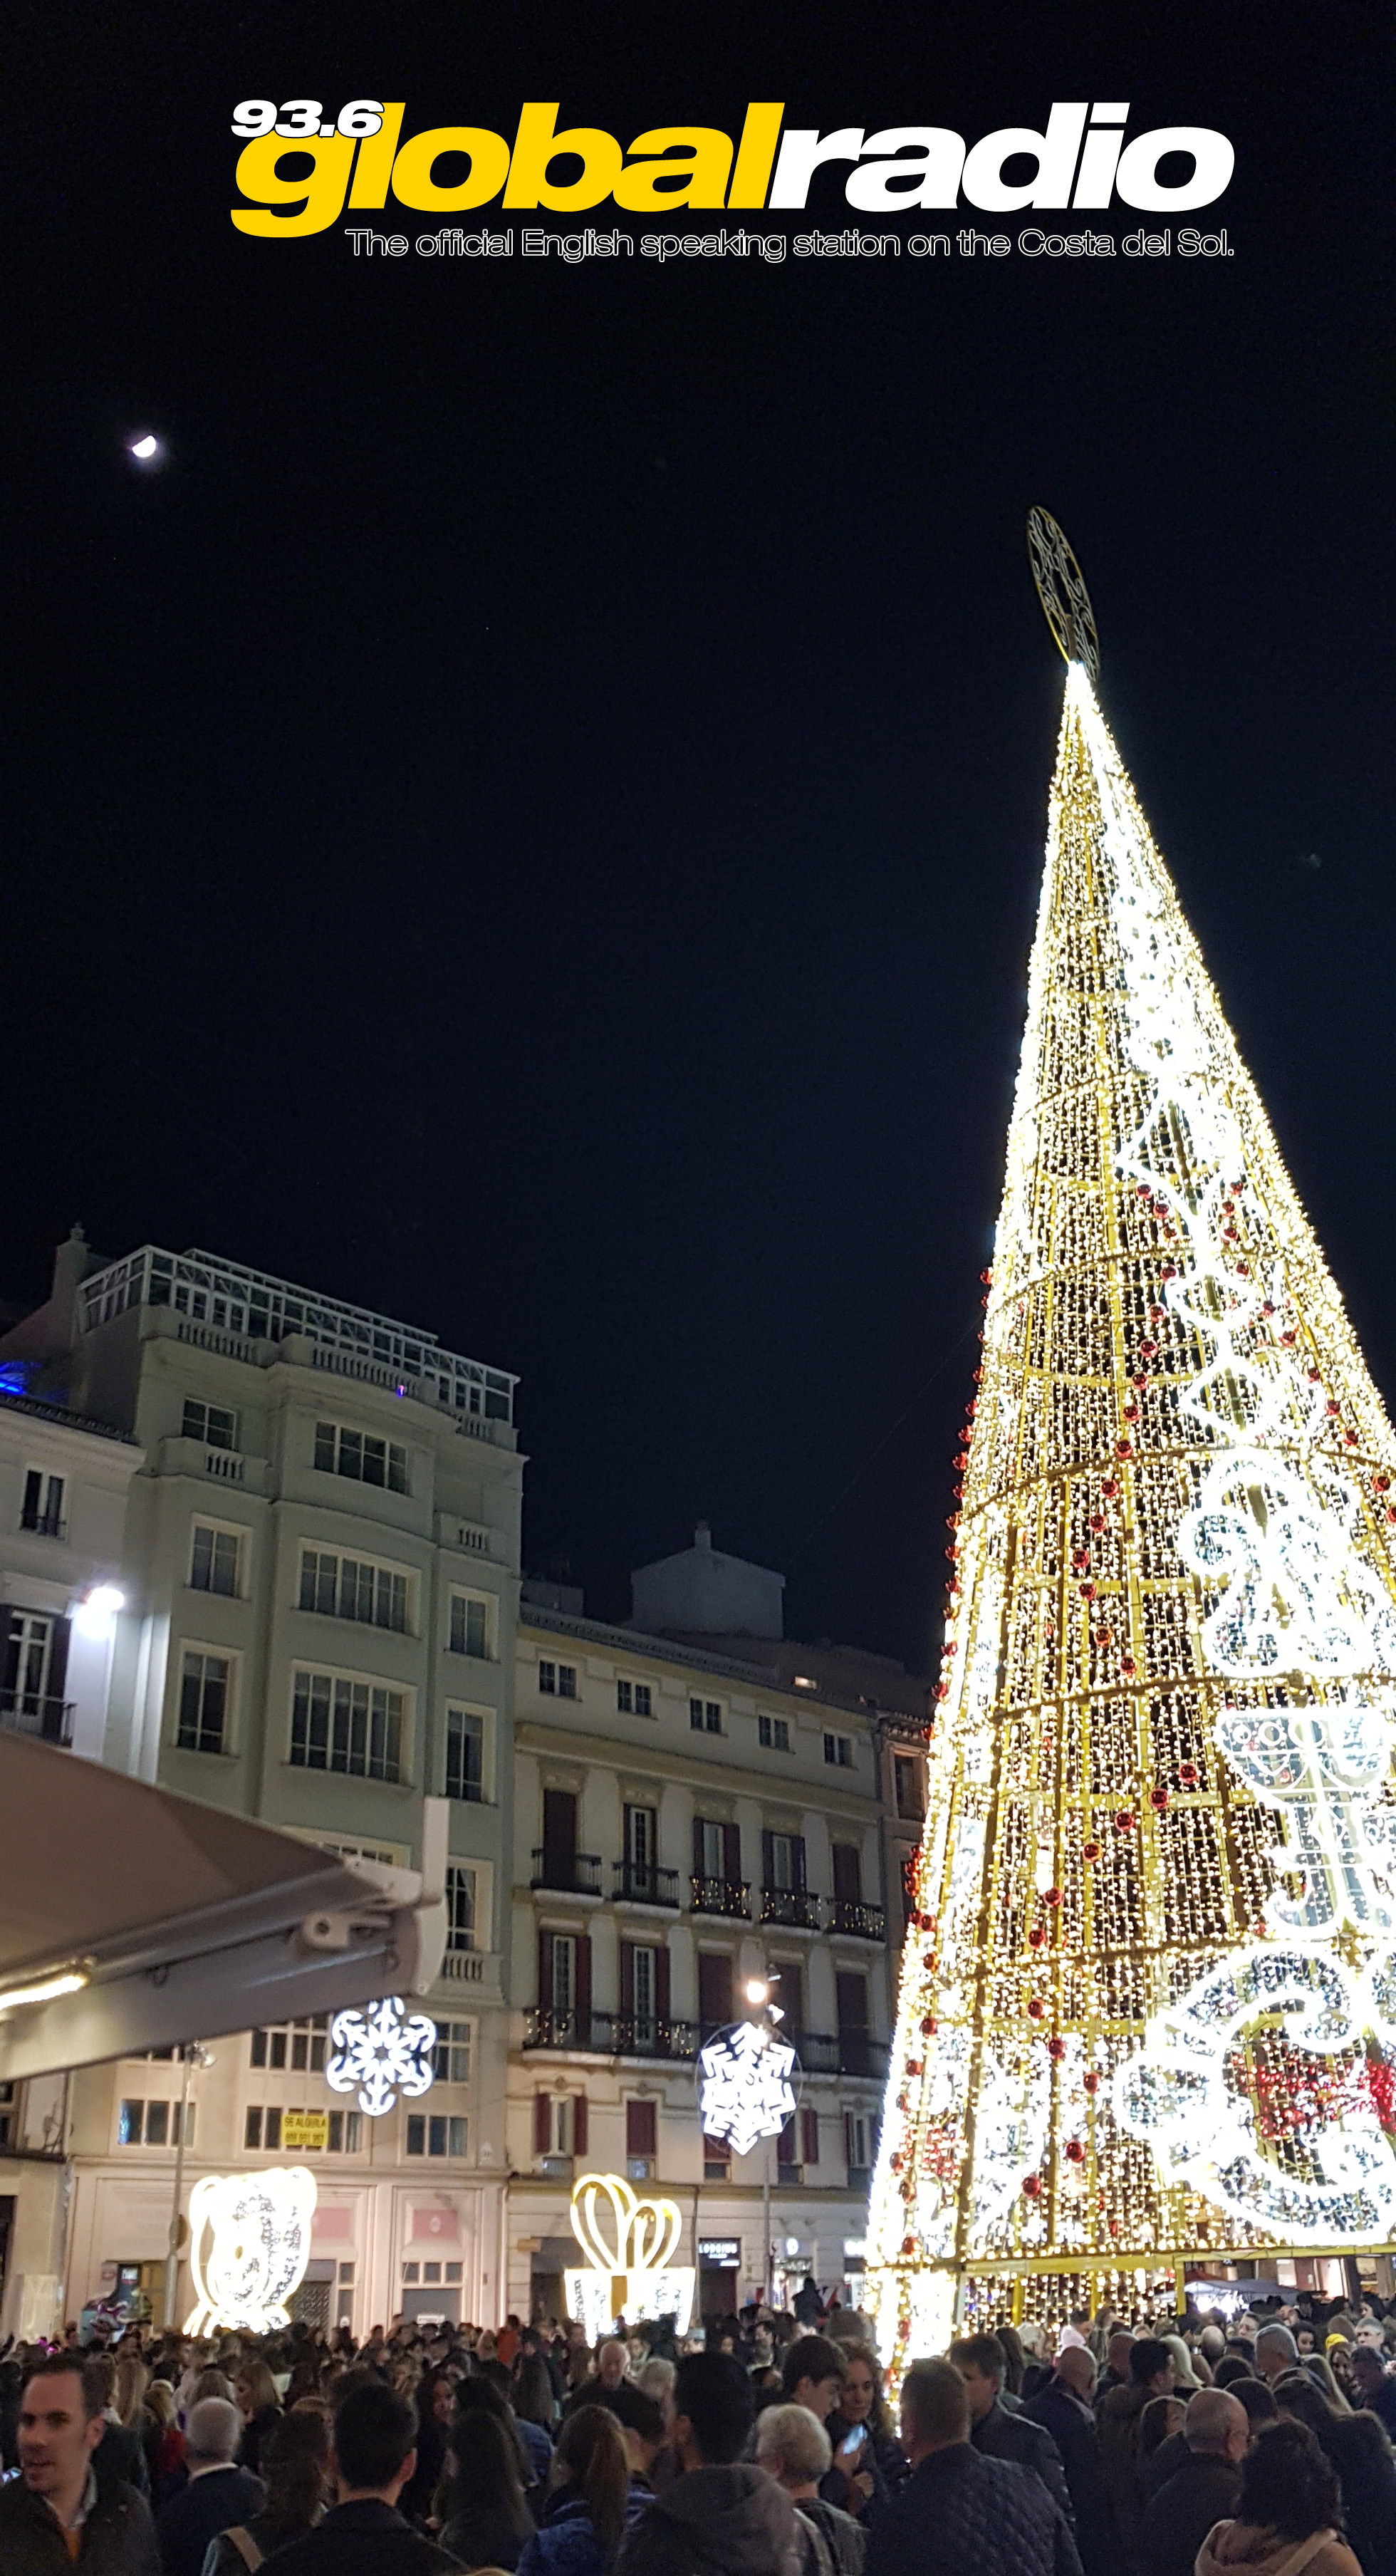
(732, 1854)
(559, 1835)
(852, 1991)
(584, 1990)
(797, 1860)
(714, 1989)
(790, 1995)
(545, 1972)
(787, 2150)
(579, 2124)
(768, 1866)
(698, 1869)
(58, 1658)
(641, 2128)
(627, 1976)
(848, 1874)
(542, 2123)
(849, 2141)
(809, 2137)
(9, 1668)
(661, 1985)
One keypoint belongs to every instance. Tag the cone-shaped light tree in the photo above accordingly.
(1148, 2006)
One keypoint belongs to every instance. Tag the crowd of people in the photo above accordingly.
(767, 2445)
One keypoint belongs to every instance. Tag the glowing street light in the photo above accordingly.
(95, 1615)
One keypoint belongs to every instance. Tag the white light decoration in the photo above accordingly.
(95, 1615)
(383, 2052)
(249, 2243)
(627, 2243)
(745, 2092)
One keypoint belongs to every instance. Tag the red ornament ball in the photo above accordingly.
(1052, 1896)
(1076, 2153)
(1188, 1774)
(1035, 2008)
(1056, 2050)
(1036, 1937)
(1158, 1800)
(1032, 2185)
(1090, 2083)
(1124, 1820)
(1090, 1851)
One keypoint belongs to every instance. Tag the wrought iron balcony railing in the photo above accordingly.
(861, 1922)
(722, 1896)
(34, 1713)
(795, 1907)
(603, 2034)
(642, 1882)
(567, 1873)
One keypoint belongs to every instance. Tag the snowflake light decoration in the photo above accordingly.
(382, 2052)
(746, 2092)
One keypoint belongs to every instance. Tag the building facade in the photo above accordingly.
(318, 1569)
(685, 1821)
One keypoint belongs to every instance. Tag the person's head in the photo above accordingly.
(793, 2445)
(860, 2399)
(211, 2383)
(1256, 2399)
(934, 2408)
(656, 2380)
(979, 2360)
(296, 2466)
(160, 2403)
(61, 2421)
(1076, 2367)
(1368, 2369)
(212, 2432)
(711, 2407)
(1158, 2422)
(1117, 2352)
(1212, 2344)
(1287, 2484)
(1217, 2424)
(1232, 2367)
(533, 2391)
(612, 2362)
(104, 2375)
(1013, 2357)
(374, 2441)
(1184, 2375)
(813, 2374)
(590, 2462)
(1304, 2338)
(1275, 2352)
(1151, 2366)
(642, 2424)
(484, 2471)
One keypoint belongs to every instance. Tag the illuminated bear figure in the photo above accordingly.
(249, 2243)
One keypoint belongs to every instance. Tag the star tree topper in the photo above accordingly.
(383, 2053)
(746, 2091)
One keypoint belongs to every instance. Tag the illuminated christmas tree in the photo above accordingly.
(1148, 2007)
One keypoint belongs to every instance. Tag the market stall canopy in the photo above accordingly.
(144, 1919)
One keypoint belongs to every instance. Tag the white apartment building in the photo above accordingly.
(318, 1566)
(686, 1819)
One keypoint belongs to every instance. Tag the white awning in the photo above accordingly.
(175, 1921)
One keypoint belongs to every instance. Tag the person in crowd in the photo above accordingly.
(485, 2519)
(296, 2464)
(435, 2401)
(531, 2440)
(479, 2393)
(793, 2447)
(1361, 2456)
(999, 2435)
(1203, 2488)
(58, 2512)
(1376, 2388)
(1160, 2441)
(163, 2443)
(961, 2513)
(1190, 2370)
(722, 2516)
(1231, 2367)
(121, 2452)
(1115, 2374)
(218, 2492)
(861, 2479)
(1288, 2497)
(1013, 2364)
(1320, 2372)
(363, 2534)
(612, 2363)
(592, 2500)
(807, 2304)
(1275, 2352)
(1064, 2411)
(1150, 2375)
(812, 2374)
(260, 2408)
(535, 2400)
(507, 2341)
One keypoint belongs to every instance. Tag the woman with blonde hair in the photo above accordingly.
(132, 2381)
(260, 2408)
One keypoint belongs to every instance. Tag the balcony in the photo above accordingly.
(601, 2034)
(34, 1713)
(793, 1907)
(844, 2052)
(859, 1922)
(567, 1873)
(45, 1524)
(722, 1896)
(641, 1882)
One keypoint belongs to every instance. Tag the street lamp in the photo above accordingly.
(193, 2054)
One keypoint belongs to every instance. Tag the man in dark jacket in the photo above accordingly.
(57, 2497)
(1064, 2409)
(981, 2362)
(1202, 2490)
(961, 2514)
(722, 2516)
(218, 2494)
(364, 2534)
(1150, 2375)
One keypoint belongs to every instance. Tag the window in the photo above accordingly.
(370, 1461)
(460, 1907)
(910, 1794)
(857, 2143)
(42, 1508)
(153, 2124)
(705, 1716)
(838, 1749)
(564, 1954)
(7, 2115)
(711, 1847)
(453, 2047)
(214, 1560)
(29, 1667)
(641, 1840)
(338, 1724)
(262, 2129)
(435, 2135)
(645, 1980)
(203, 1702)
(211, 1423)
(786, 1860)
(809, 2137)
(351, 1587)
(297, 2044)
(774, 1733)
(634, 1699)
(557, 1681)
(465, 1754)
(469, 1624)
(641, 2139)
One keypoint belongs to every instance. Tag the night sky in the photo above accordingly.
(531, 822)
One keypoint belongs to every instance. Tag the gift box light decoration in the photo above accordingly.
(249, 2243)
(627, 2243)
(383, 2051)
(1148, 2003)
